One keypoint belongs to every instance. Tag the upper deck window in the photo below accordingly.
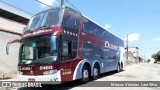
(49, 18)
(71, 19)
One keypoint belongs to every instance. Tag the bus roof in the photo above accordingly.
(83, 16)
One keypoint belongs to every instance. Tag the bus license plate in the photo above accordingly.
(31, 79)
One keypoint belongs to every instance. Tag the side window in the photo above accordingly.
(106, 53)
(71, 20)
(97, 32)
(65, 48)
(69, 50)
(99, 54)
(92, 28)
(87, 26)
(110, 54)
(88, 51)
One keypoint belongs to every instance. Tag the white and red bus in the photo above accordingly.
(61, 44)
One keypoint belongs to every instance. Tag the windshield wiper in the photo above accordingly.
(43, 27)
(29, 31)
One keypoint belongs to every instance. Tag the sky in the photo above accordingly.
(139, 19)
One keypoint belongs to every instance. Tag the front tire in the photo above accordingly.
(85, 74)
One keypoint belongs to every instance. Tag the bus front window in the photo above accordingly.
(45, 19)
(38, 50)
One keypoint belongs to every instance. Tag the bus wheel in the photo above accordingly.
(85, 74)
(118, 68)
(121, 67)
(95, 72)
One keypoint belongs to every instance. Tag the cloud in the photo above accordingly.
(107, 26)
(48, 2)
(133, 37)
(157, 39)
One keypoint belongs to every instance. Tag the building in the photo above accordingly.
(133, 54)
(131, 57)
(12, 22)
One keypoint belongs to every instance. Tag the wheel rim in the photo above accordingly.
(85, 74)
(95, 72)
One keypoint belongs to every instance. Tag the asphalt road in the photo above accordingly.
(136, 72)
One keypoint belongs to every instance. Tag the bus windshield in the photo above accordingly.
(45, 19)
(38, 50)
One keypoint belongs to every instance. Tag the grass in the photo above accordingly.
(128, 62)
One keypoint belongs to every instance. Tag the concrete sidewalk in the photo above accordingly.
(14, 79)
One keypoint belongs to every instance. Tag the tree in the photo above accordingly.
(156, 56)
(148, 60)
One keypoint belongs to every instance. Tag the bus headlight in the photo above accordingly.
(20, 73)
(50, 72)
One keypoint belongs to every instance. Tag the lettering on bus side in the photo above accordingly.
(111, 46)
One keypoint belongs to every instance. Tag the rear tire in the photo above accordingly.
(118, 68)
(85, 74)
(121, 69)
(95, 72)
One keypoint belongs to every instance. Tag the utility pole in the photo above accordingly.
(127, 48)
(62, 3)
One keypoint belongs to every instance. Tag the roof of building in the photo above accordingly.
(14, 13)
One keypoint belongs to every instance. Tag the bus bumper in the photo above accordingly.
(44, 79)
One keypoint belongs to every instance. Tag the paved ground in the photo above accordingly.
(136, 72)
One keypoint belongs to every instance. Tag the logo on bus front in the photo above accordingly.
(31, 72)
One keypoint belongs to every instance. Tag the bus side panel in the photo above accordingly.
(104, 67)
(78, 70)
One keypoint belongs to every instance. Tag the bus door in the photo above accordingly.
(67, 61)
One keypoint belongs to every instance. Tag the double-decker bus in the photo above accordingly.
(61, 44)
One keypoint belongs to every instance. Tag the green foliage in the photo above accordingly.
(156, 56)
(128, 62)
(148, 60)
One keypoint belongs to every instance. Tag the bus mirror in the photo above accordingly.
(24, 29)
(7, 49)
(8, 45)
(53, 43)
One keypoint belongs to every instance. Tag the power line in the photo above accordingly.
(44, 4)
(73, 6)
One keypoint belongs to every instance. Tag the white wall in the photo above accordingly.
(8, 63)
(11, 25)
